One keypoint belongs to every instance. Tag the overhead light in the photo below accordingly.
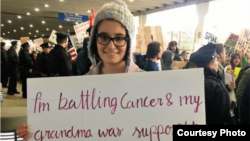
(22, 28)
(8, 32)
(31, 25)
(36, 9)
(3, 33)
(19, 17)
(76, 14)
(9, 21)
(2, 24)
(14, 30)
(29, 33)
(60, 26)
(46, 5)
(37, 31)
(131, 0)
(47, 29)
(68, 30)
(67, 19)
(89, 11)
(42, 34)
(43, 22)
(28, 13)
(35, 36)
(61, 0)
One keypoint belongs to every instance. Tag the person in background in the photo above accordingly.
(26, 66)
(110, 41)
(4, 66)
(220, 50)
(244, 58)
(83, 61)
(59, 59)
(35, 70)
(173, 47)
(167, 60)
(242, 94)
(44, 60)
(229, 77)
(13, 65)
(184, 55)
(236, 61)
(154, 53)
(217, 101)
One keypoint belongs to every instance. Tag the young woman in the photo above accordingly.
(173, 47)
(154, 53)
(236, 61)
(110, 41)
(216, 96)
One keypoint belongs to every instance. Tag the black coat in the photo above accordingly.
(60, 61)
(43, 63)
(4, 60)
(245, 108)
(12, 58)
(26, 61)
(216, 99)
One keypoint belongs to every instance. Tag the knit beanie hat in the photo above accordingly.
(118, 11)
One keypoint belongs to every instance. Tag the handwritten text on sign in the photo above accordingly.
(244, 41)
(115, 107)
(80, 30)
(230, 44)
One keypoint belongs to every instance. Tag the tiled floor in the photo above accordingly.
(13, 101)
(13, 109)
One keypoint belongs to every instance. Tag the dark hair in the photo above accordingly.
(171, 44)
(89, 30)
(153, 49)
(59, 41)
(226, 64)
(190, 65)
(232, 61)
(93, 44)
(219, 49)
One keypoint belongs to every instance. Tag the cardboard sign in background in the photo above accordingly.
(116, 106)
(244, 41)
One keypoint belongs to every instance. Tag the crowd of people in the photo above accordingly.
(108, 51)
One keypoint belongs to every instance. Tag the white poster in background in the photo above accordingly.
(37, 43)
(80, 30)
(210, 37)
(52, 37)
(115, 107)
(75, 42)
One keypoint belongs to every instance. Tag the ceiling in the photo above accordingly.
(11, 9)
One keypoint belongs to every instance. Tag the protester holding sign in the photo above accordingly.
(216, 96)
(111, 42)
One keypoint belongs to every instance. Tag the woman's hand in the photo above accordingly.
(22, 132)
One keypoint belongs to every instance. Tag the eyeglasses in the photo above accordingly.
(105, 40)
